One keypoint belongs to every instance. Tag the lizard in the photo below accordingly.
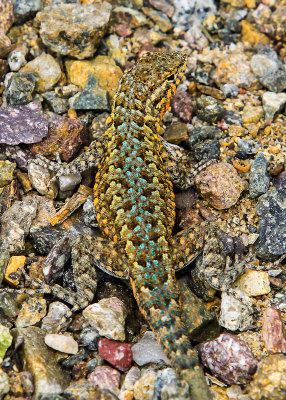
(135, 208)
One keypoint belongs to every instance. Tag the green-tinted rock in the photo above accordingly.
(6, 172)
(5, 340)
(93, 97)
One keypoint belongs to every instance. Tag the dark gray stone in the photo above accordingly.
(20, 88)
(209, 109)
(258, 177)
(93, 97)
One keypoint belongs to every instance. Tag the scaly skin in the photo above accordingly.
(135, 207)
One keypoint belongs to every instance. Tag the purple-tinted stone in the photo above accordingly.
(105, 377)
(273, 331)
(182, 106)
(229, 359)
(22, 124)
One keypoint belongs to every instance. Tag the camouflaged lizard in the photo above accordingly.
(134, 202)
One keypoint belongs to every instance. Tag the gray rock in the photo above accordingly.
(272, 103)
(248, 146)
(148, 350)
(55, 319)
(229, 90)
(209, 109)
(16, 60)
(271, 211)
(167, 386)
(57, 103)
(89, 214)
(25, 9)
(236, 311)
(20, 88)
(258, 177)
(69, 182)
(93, 97)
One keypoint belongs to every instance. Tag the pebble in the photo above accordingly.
(144, 387)
(204, 142)
(40, 179)
(69, 182)
(148, 350)
(41, 362)
(63, 343)
(116, 353)
(105, 377)
(258, 177)
(251, 35)
(4, 383)
(20, 88)
(273, 331)
(8, 304)
(55, 261)
(7, 169)
(22, 124)
(32, 311)
(12, 275)
(93, 97)
(182, 106)
(57, 103)
(108, 317)
(269, 382)
(84, 390)
(5, 340)
(220, 185)
(271, 210)
(252, 115)
(25, 10)
(236, 311)
(6, 15)
(249, 146)
(16, 60)
(229, 359)
(209, 109)
(230, 90)
(74, 29)
(55, 318)
(253, 283)
(130, 16)
(131, 377)
(273, 103)
(168, 386)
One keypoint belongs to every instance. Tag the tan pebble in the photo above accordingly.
(63, 343)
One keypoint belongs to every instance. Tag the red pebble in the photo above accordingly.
(116, 353)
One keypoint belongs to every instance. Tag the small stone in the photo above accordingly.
(164, 6)
(230, 90)
(134, 18)
(20, 88)
(22, 124)
(5, 340)
(74, 29)
(273, 331)
(105, 377)
(220, 185)
(12, 276)
(148, 350)
(185, 199)
(130, 378)
(55, 318)
(229, 359)
(252, 115)
(236, 311)
(258, 177)
(253, 283)
(16, 60)
(108, 317)
(204, 143)
(84, 390)
(182, 106)
(4, 381)
(270, 70)
(8, 305)
(273, 103)
(55, 261)
(271, 210)
(25, 9)
(249, 146)
(6, 15)
(89, 213)
(209, 109)
(41, 362)
(251, 35)
(7, 169)
(269, 382)
(63, 343)
(31, 312)
(168, 386)
(93, 97)
(116, 353)
(176, 132)
(160, 19)
(57, 103)
(40, 179)
(144, 388)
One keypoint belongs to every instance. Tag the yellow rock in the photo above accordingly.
(252, 35)
(253, 283)
(250, 3)
(252, 115)
(12, 275)
(103, 68)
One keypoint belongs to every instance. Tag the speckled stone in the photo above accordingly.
(148, 350)
(144, 388)
(252, 115)
(182, 106)
(4, 383)
(93, 97)
(209, 109)
(236, 311)
(5, 340)
(31, 312)
(116, 353)
(273, 332)
(229, 359)
(6, 15)
(40, 179)
(273, 103)
(57, 313)
(105, 377)
(16, 60)
(26, 9)
(20, 88)
(253, 283)
(7, 169)
(74, 29)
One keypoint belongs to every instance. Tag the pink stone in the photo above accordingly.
(116, 353)
(105, 377)
(182, 106)
(273, 332)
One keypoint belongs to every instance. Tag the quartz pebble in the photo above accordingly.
(108, 317)
(116, 353)
(105, 377)
(229, 359)
(236, 310)
(253, 283)
(273, 103)
(273, 332)
(148, 350)
(63, 343)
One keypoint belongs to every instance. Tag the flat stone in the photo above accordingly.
(116, 353)
(253, 283)
(273, 331)
(63, 343)
(236, 311)
(148, 350)
(273, 103)
(31, 312)
(93, 97)
(5, 340)
(258, 177)
(7, 169)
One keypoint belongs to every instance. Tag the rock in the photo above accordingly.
(8, 305)
(6, 172)
(273, 331)
(12, 275)
(16, 60)
(168, 386)
(236, 311)
(84, 390)
(20, 88)
(258, 177)
(127, 15)
(176, 132)
(4, 381)
(5, 341)
(108, 317)
(148, 350)
(57, 103)
(3, 69)
(63, 343)
(164, 6)
(89, 214)
(26, 9)
(251, 35)
(105, 377)
(31, 312)
(159, 18)
(93, 97)
(40, 179)
(144, 387)
(230, 90)
(269, 382)
(253, 283)
(249, 146)
(209, 109)
(56, 317)
(220, 185)
(182, 106)
(74, 29)
(130, 378)
(116, 353)
(103, 68)
(271, 210)
(252, 115)
(48, 70)
(41, 362)
(55, 261)
(229, 359)
(204, 142)
(273, 103)
(6, 15)
(22, 124)
(5, 45)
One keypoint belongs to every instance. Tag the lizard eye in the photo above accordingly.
(171, 78)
